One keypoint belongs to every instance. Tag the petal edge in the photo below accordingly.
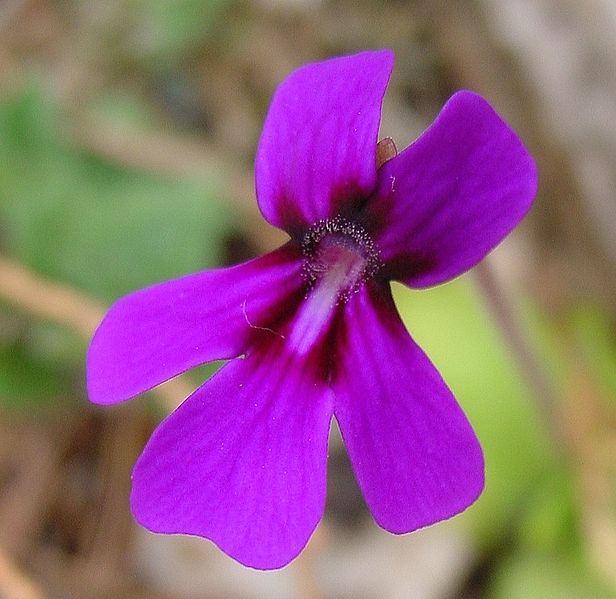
(452, 195)
(415, 456)
(317, 150)
(156, 333)
(242, 461)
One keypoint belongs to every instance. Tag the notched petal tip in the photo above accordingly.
(242, 461)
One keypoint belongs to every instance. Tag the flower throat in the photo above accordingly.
(340, 256)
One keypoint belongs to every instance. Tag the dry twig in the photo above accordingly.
(14, 584)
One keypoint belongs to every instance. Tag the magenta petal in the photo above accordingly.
(413, 452)
(242, 461)
(317, 149)
(452, 195)
(156, 333)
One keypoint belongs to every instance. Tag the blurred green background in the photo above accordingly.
(127, 134)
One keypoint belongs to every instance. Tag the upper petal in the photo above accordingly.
(156, 333)
(242, 461)
(317, 151)
(452, 195)
(415, 456)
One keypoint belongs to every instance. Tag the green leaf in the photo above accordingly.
(595, 334)
(549, 521)
(102, 228)
(164, 29)
(27, 382)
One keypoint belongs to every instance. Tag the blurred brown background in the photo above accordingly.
(127, 135)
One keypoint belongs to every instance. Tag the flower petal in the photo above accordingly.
(242, 460)
(156, 333)
(317, 151)
(415, 456)
(452, 195)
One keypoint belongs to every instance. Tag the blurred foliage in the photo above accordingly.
(97, 226)
(163, 30)
(94, 225)
(451, 326)
(26, 380)
(528, 509)
(546, 575)
(594, 334)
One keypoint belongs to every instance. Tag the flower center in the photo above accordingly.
(339, 257)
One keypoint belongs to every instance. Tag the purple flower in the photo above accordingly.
(311, 329)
